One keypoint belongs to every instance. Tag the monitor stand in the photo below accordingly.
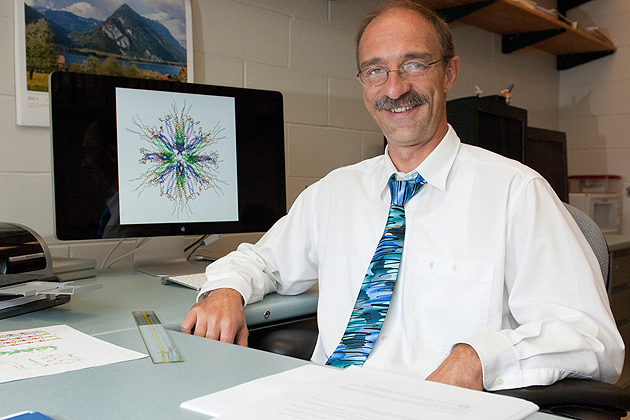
(164, 257)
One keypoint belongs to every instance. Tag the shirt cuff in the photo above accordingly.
(237, 284)
(498, 360)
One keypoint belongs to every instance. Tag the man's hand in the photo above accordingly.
(461, 368)
(219, 316)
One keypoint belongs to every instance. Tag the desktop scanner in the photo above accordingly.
(27, 282)
(23, 250)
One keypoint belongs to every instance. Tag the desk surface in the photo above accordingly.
(139, 389)
(124, 290)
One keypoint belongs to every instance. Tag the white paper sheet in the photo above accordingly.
(363, 394)
(56, 349)
(262, 389)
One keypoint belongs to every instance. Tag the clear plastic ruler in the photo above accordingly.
(160, 346)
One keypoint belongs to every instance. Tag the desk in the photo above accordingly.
(139, 389)
(125, 290)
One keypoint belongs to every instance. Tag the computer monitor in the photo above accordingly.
(144, 158)
(546, 153)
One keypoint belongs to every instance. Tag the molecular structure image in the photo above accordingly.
(181, 165)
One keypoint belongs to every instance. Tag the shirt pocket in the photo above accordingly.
(450, 301)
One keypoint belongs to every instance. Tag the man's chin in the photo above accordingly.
(401, 142)
(400, 135)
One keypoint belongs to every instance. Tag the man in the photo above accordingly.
(497, 287)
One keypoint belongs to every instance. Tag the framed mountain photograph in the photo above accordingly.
(149, 39)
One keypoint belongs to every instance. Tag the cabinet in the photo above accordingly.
(521, 26)
(490, 123)
(619, 294)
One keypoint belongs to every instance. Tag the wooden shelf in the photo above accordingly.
(522, 26)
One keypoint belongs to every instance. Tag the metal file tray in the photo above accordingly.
(20, 298)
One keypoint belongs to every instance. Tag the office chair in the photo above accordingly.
(581, 399)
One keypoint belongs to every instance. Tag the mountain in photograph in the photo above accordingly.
(128, 34)
(124, 34)
(162, 30)
(69, 21)
(60, 33)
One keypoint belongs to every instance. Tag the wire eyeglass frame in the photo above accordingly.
(403, 72)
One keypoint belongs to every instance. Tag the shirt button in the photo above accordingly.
(499, 381)
(384, 338)
(431, 265)
(393, 295)
(454, 268)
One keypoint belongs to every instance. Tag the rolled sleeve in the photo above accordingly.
(561, 324)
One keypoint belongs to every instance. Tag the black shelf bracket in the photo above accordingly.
(566, 61)
(514, 42)
(564, 5)
(451, 14)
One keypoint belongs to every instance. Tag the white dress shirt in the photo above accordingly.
(491, 258)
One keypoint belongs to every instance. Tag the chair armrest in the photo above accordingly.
(293, 342)
(570, 395)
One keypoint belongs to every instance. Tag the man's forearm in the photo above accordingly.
(461, 368)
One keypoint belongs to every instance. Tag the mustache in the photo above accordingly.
(406, 99)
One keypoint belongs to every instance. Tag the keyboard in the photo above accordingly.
(194, 281)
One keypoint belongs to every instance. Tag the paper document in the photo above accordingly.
(49, 350)
(262, 389)
(357, 393)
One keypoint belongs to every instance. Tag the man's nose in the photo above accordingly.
(395, 85)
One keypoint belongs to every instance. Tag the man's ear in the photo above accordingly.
(450, 73)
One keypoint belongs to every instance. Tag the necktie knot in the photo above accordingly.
(402, 191)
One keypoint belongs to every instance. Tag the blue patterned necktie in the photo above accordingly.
(378, 284)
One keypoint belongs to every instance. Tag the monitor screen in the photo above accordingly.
(143, 158)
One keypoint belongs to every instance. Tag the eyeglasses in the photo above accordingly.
(409, 70)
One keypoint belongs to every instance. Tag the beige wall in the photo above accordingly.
(594, 101)
(303, 48)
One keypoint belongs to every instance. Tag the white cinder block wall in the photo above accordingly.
(594, 105)
(303, 48)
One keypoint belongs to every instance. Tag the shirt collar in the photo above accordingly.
(434, 169)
